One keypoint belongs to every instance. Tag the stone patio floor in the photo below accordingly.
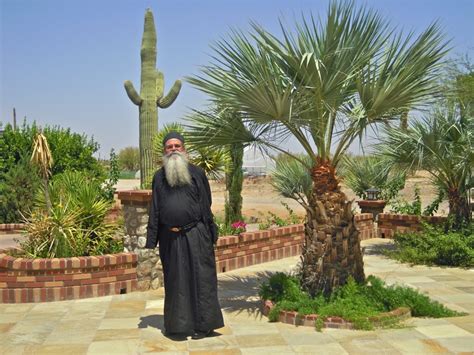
(132, 324)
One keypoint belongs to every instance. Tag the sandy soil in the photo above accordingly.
(259, 197)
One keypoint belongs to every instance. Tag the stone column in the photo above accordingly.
(136, 206)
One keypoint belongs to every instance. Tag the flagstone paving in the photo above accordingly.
(133, 323)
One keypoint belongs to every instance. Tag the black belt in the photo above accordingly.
(184, 228)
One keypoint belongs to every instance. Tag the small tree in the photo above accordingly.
(129, 158)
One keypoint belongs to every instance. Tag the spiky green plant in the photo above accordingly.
(151, 96)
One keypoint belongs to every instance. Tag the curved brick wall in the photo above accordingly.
(45, 280)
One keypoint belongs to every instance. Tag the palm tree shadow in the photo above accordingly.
(157, 321)
(239, 294)
(379, 249)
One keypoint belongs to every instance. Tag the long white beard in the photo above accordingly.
(176, 169)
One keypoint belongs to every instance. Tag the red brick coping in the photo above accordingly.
(309, 320)
(45, 280)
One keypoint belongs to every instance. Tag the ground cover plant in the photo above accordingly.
(434, 246)
(354, 302)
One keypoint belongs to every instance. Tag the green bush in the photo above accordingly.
(76, 224)
(353, 302)
(434, 246)
(17, 189)
(70, 151)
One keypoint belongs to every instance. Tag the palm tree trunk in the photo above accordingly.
(331, 252)
(234, 182)
(459, 209)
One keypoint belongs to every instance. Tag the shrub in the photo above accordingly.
(353, 302)
(76, 224)
(434, 246)
(17, 189)
(70, 151)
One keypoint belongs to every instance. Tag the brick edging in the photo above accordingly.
(309, 320)
(11, 227)
(25, 280)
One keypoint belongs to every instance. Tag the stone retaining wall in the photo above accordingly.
(391, 223)
(46, 280)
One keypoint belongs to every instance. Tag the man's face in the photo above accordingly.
(174, 145)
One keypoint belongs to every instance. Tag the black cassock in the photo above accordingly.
(187, 257)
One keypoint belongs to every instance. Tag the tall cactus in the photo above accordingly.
(151, 96)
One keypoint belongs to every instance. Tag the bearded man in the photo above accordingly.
(181, 223)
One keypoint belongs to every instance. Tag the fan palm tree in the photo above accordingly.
(443, 145)
(324, 84)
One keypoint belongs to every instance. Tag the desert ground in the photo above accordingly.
(259, 197)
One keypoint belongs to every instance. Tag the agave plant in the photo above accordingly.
(323, 84)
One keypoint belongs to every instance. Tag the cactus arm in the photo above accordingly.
(166, 101)
(132, 93)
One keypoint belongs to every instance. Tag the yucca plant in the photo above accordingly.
(42, 157)
(76, 225)
(323, 84)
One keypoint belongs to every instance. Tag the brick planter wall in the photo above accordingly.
(309, 320)
(11, 228)
(233, 252)
(390, 223)
(365, 225)
(46, 280)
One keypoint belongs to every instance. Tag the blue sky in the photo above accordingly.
(63, 62)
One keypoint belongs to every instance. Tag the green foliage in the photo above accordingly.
(76, 225)
(129, 159)
(70, 151)
(18, 186)
(292, 179)
(434, 246)
(152, 96)
(108, 188)
(403, 207)
(353, 302)
(365, 172)
(272, 220)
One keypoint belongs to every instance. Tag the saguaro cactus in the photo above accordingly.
(150, 97)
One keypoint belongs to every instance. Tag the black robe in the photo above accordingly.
(188, 259)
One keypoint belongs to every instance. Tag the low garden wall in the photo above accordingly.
(391, 223)
(232, 252)
(45, 280)
(6, 228)
(250, 248)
